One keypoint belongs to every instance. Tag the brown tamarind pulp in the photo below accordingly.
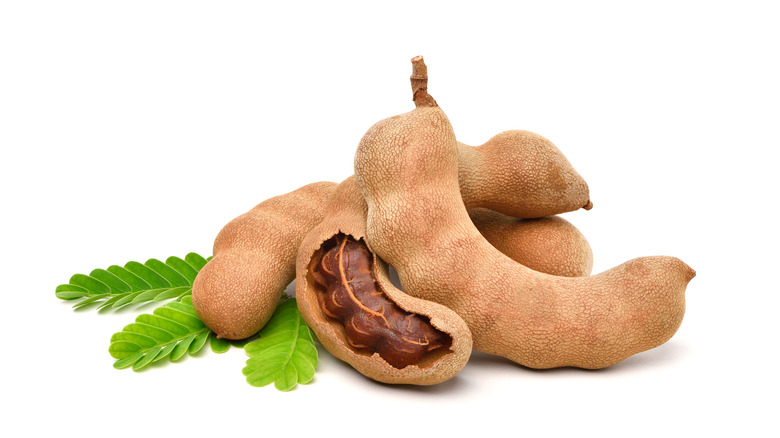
(372, 322)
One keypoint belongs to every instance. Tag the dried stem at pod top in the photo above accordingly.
(419, 81)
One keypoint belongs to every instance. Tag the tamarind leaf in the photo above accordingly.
(165, 353)
(128, 361)
(90, 300)
(92, 284)
(172, 293)
(127, 299)
(136, 338)
(183, 268)
(170, 332)
(134, 283)
(196, 261)
(114, 283)
(182, 348)
(185, 319)
(218, 345)
(112, 300)
(70, 292)
(163, 323)
(147, 358)
(284, 353)
(185, 308)
(171, 275)
(154, 279)
(156, 333)
(70, 295)
(147, 295)
(198, 343)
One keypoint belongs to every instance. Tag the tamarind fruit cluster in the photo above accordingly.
(484, 261)
(254, 254)
(410, 162)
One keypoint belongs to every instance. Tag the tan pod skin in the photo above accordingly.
(520, 174)
(254, 261)
(407, 169)
(346, 215)
(549, 244)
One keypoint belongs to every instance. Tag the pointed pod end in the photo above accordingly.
(690, 274)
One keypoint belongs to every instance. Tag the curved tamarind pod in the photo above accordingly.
(520, 174)
(549, 244)
(254, 261)
(407, 170)
(346, 297)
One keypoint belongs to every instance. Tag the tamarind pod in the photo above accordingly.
(520, 174)
(407, 169)
(254, 260)
(345, 216)
(549, 244)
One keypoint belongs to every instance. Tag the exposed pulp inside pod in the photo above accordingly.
(343, 273)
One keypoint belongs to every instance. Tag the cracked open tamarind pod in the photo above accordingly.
(237, 291)
(549, 244)
(407, 169)
(345, 296)
(372, 322)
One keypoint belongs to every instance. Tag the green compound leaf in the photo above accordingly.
(169, 332)
(284, 353)
(133, 283)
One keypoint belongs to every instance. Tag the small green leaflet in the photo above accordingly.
(284, 353)
(171, 331)
(118, 286)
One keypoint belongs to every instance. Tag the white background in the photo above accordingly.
(132, 130)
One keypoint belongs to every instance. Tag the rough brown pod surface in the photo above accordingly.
(549, 244)
(407, 169)
(345, 217)
(520, 174)
(254, 261)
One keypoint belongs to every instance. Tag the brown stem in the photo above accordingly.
(419, 80)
